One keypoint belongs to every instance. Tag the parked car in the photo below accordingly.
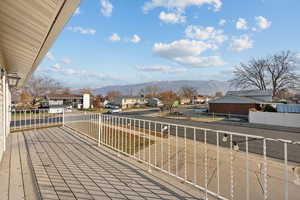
(111, 106)
(114, 111)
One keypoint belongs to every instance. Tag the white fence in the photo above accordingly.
(33, 119)
(274, 118)
(223, 164)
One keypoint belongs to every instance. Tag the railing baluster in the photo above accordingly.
(134, 135)
(247, 170)
(25, 126)
(122, 131)
(99, 128)
(205, 164)
(149, 148)
(169, 150)
(185, 156)
(265, 170)
(176, 141)
(195, 158)
(286, 175)
(218, 163)
(139, 136)
(155, 147)
(231, 170)
(161, 146)
(144, 139)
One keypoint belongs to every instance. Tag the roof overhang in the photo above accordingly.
(27, 31)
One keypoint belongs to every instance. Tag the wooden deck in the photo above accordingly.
(55, 163)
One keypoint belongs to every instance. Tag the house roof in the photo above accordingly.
(237, 100)
(249, 93)
(62, 96)
(27, 31)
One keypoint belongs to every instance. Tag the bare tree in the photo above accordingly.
(188, 92)
(39, 86)
(281, 72)
(275, 72)
(151, 91)
(113, 94)
(169, 98)
(252, 74)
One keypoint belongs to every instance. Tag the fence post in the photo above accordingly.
(63, 117)
(99, 126)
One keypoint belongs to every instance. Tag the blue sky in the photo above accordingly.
(109, 42)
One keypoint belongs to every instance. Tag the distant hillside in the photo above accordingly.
(203, 87)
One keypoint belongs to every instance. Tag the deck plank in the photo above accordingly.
(28, 179)
(16, 190)
(4, 171)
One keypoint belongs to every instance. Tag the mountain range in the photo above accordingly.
(209, 87)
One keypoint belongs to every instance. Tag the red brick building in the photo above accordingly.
(239, 102)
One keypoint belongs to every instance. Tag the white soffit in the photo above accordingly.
(28, 28)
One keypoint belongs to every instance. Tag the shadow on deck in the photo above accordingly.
(55, 163)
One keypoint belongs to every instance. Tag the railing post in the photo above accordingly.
(63, 117)
(99, 128)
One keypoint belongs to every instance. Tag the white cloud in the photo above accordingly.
(222, 22)
(180, 4)
(135, 39)
(77, 11)
(56, 66)
(205, 33)
(262, 22)
(186, 52)
(106, 8)
(241, 43)
(66, 60)
(241, 24)
(50, 56)
(172, 17)
(180, 48)
(193, 61)
(115, 37)
(153, 68)
(83, 31)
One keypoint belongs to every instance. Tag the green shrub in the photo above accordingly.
(269, 108)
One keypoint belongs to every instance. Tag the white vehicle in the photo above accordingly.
(114, 111)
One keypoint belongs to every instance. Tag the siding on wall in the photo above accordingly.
(232, 108)
(1, 120)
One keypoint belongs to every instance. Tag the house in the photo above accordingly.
(239, 102)
(98, 101)
(63, 100)
(200, 99)
(155, 102)
(184, 100)
(129, 101)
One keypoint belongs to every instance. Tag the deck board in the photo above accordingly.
(4, 171)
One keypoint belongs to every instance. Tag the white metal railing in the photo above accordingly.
(33, 119)
(224, 164)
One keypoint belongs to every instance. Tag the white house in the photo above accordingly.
(129, 101)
